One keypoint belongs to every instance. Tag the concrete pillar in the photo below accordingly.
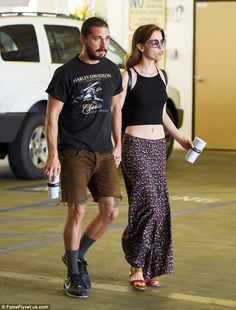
(100, 7)
(116, 14)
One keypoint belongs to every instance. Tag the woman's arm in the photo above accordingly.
(174, 132)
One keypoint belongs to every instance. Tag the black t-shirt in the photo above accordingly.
(86, 91)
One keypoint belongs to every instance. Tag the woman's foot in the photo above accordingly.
(136, 279)
(152, 282)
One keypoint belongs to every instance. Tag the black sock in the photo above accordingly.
(85, 244)
(72, 264)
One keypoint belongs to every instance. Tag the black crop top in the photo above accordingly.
(145, 102)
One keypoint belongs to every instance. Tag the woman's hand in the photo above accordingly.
(186, 143)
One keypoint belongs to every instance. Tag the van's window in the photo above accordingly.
(116, 53)
(19, 43)
(63, 41)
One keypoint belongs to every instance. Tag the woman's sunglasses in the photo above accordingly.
(156, 43)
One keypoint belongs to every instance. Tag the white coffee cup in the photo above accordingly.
(193, 153)
(53, 188)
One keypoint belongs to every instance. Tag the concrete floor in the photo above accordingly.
(203, 202)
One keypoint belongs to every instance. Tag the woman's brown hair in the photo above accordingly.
(141, 35)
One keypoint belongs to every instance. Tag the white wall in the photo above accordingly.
(180, 70)
(18, 6)
(118, 20)
(54, 6)
(101, 8)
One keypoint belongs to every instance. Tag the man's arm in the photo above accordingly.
(116, 127)
(52, 166)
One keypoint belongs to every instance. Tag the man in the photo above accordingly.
(83, 111)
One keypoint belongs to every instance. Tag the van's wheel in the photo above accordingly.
(169, 138)
(28, 153)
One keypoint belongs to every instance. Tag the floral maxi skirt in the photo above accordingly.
(147, 241)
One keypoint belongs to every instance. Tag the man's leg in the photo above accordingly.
(72, 232)
(108, 211)
(85, 244)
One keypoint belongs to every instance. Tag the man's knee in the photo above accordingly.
(110, 208)
(76, 211)
(115, 214)
(111, 215)
(110, 202)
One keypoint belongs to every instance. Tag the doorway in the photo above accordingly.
(215, 74)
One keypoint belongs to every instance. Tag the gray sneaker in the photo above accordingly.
(73, 287)
(83, 272)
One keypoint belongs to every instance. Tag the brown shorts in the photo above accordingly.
(81, 169)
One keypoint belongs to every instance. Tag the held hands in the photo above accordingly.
(52, 168)
(117, 155)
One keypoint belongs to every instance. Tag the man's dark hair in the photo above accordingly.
(92, 22)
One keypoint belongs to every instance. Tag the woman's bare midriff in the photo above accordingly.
(146, 131)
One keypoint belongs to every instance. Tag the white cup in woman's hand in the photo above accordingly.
(194, 152)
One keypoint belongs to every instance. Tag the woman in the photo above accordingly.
(146, 240)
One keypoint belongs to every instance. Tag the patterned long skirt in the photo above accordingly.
(147, 241)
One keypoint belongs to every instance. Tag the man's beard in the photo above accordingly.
(92, 55)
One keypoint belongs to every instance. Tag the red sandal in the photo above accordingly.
(152, 282)
(137, 284)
